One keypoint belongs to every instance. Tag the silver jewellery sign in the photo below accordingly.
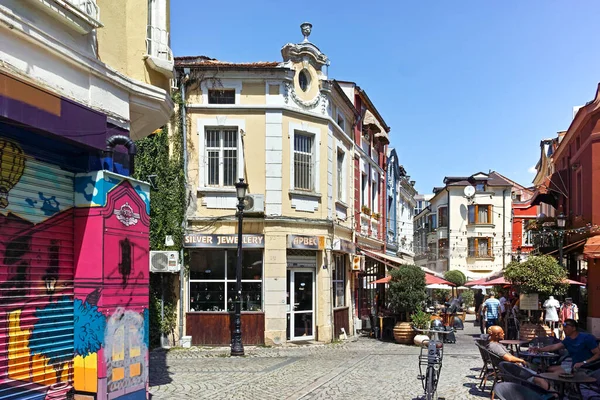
(223, 241)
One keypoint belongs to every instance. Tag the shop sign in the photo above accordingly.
(306, 242)
(529, 301)
(223, 241)
(344, 246)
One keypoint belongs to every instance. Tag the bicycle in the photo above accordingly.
(430, 358)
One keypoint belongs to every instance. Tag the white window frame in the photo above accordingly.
(364, 190)
(306, 129)
(219, 122)
(374, 196)
(340, 116)
(526, 234)
(341, 148)
(231, 84)
(221, 155)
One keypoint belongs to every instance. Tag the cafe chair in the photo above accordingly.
(514, 373)
(513, 391)
(487, 369)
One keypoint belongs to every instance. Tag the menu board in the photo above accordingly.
(529, 301)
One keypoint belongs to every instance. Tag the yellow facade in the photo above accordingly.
(122, 40)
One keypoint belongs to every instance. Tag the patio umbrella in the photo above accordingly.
(462, 288)
(386, 279)
(480, 281)
(432, 279)
(438, 286)
(497, 281)
(482, 287)
(572, 282)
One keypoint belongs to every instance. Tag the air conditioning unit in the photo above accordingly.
(254, 204)
(358, 263)
(164, 261)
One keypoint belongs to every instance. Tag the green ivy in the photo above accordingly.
(161, 155)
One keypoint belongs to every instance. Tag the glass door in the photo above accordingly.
(301, 304)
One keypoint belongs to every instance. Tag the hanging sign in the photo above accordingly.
(344, 246)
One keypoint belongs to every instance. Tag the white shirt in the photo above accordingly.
(551, 306)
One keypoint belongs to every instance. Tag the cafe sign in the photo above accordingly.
(344, 246)
(223, 241)
(306, 242)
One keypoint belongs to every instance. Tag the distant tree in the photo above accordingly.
(407, 291)
(455, 276)
(538, 274)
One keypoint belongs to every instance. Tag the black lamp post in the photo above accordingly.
(237, 347)
(561, 221)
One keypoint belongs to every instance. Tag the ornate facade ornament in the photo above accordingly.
(289, 89)
(126, 216)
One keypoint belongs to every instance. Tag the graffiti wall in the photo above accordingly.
(73, 280)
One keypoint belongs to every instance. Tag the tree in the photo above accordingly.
(455, 276)
(407, 290)
(538, 274)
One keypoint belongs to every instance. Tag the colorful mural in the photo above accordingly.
(74, 280)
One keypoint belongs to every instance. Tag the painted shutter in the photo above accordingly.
(36, 276)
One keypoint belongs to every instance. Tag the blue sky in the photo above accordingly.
(466, 86)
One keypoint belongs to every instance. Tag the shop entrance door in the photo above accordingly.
(301, 304)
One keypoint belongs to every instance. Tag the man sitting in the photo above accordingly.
(496, 334)
(582, 348)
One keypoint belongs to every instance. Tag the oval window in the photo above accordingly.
(304, 80)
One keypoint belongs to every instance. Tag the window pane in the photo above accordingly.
(472, 251)
(207, 296)
(212, 139)
(471, 214)
(230, 139)
(303, 148)
(220, 96)
(339, 295)
(483, 214)
(229, 167)
(207, 264)
(213, 167)
(251, 264)
(251, 296)
(483, 247)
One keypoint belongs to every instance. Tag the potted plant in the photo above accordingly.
(376, 216)
(366, 210)
(420, 321)
(406, 294)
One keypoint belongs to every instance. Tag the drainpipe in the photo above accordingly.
(184, 223)
(115, 140)
(503, 229)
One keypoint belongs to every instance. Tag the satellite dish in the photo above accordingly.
(469, 191)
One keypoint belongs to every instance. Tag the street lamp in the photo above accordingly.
(237, 347)
(561, 220)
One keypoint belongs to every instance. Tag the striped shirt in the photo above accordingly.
(493, 306)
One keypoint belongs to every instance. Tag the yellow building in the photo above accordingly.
(286, 129)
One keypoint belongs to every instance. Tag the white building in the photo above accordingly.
(467, 231)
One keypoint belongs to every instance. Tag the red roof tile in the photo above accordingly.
(203, 61)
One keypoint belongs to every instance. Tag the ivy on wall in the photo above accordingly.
(160, 161)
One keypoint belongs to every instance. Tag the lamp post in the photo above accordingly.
(237, 347)
(561, 220)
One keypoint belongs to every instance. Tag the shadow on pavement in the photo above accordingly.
(159, 370)
(475, 391)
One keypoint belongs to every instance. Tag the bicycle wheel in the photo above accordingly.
(430, 384)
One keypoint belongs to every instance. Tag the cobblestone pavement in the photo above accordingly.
(360, 367)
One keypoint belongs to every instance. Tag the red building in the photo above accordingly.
(523, 213)
(573, 188)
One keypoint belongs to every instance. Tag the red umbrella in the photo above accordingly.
(480, 281)
(572, 282)
(497, 281)
(429, 280)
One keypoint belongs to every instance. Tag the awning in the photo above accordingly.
(592, 247)
(551, 188)
(569, 248)
(386, 259)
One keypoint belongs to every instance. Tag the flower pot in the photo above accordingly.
(404, 333)
(418, 340)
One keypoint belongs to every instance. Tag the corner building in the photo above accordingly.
(285, 128)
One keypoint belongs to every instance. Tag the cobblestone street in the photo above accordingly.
(352, 369)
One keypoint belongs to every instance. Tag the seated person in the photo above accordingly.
(582, 348)
(496, 334)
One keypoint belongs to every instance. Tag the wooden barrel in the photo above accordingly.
(404, 333)
(530, 331)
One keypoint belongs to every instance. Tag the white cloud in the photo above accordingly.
(532, 170)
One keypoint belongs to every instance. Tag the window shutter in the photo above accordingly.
(489, 221)
(476, 247)
(490, 246)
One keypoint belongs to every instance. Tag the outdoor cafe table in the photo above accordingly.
(544, 357)
(514, 345)
(576, 380)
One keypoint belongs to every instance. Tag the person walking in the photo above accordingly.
(481, 316)
(479, 298)
(551, 307)
(491, 310)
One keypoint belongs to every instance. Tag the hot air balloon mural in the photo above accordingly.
(12, 165)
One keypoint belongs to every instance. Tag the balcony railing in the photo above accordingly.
(81, 15)
(159, 55)
(88, 7)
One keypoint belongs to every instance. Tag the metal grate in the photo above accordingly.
(303, 164)
(221, 157)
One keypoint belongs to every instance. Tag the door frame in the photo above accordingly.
(291, 311)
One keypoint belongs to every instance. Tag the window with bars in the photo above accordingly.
(340, 175)
(221, 96)
(221, 151)
(303, 161)
(443, 216)
(480, 214)
(339, 281)
(480, 247)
